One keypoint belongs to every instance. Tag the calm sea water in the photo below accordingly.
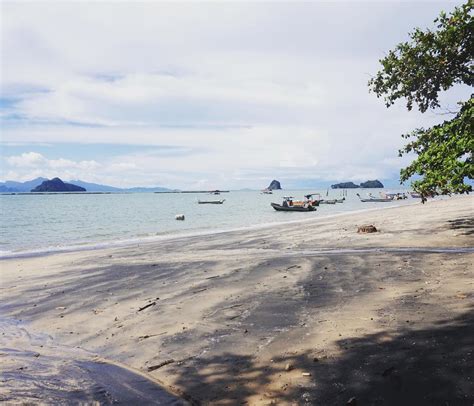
(42, 223)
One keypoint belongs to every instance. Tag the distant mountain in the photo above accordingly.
(57, 185)
(16, 187)
(12, 186)
(95, 187)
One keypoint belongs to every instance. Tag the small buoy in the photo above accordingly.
(179, 217)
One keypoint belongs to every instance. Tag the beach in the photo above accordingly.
(307, 313)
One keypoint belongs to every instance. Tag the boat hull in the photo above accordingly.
(211, 201)
(279, 207)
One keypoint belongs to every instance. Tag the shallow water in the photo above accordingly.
(35, 369)
(45, 223)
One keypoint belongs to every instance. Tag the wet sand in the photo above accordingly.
(308, 313)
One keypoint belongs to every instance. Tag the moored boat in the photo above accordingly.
(329, 201)
(290, 205)
(313, 199)
(211, 201)
(393, 196)
(374, 199)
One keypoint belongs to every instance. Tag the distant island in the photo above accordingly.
(274, 185)
(10, 186)
(345, 185)
(370, 184)
(57, 185)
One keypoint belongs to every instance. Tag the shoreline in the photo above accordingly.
(100, 245)
(307, 313)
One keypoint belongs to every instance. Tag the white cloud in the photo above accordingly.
(27, 159)
(248, 90)
(36, 160)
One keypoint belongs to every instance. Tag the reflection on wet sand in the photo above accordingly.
(36, 369)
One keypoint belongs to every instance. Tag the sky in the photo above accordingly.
(211, 95)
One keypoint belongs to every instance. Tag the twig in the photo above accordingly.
(151, 335)
(147, 306)
(161, 364)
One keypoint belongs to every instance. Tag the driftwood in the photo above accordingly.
(147, 306)
(161, 364)
(151, 335)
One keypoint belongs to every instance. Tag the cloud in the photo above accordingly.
(37, 160)
(28, 159)
(240, 92)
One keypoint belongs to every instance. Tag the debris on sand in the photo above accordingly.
(367, 229)
(147, 306)
(160, 365)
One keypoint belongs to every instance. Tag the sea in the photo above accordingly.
(41, 224)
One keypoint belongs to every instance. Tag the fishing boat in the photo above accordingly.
(374, 199)
(415, 195)
(211, 201)
(393, 196)
(329, 201)
(267, 192)
(313, 199)
(290, 205)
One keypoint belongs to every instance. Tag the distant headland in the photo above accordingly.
(57, 185)
(370, 184)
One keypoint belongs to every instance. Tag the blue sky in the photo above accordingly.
(215, 95)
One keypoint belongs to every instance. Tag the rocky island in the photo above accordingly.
(57, 185)
(274, 185)
(345, 185)
(351, 185)
(371, 184)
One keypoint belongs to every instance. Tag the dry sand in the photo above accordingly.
(306, 314)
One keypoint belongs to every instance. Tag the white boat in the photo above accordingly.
(374, 199)
(393, 196)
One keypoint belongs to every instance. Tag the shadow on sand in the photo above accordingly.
(432, 366)
(465, 224)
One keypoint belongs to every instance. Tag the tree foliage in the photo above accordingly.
(418, 70)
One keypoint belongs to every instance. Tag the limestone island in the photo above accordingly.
(57, 185)
(274, 185)
(370, 184)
